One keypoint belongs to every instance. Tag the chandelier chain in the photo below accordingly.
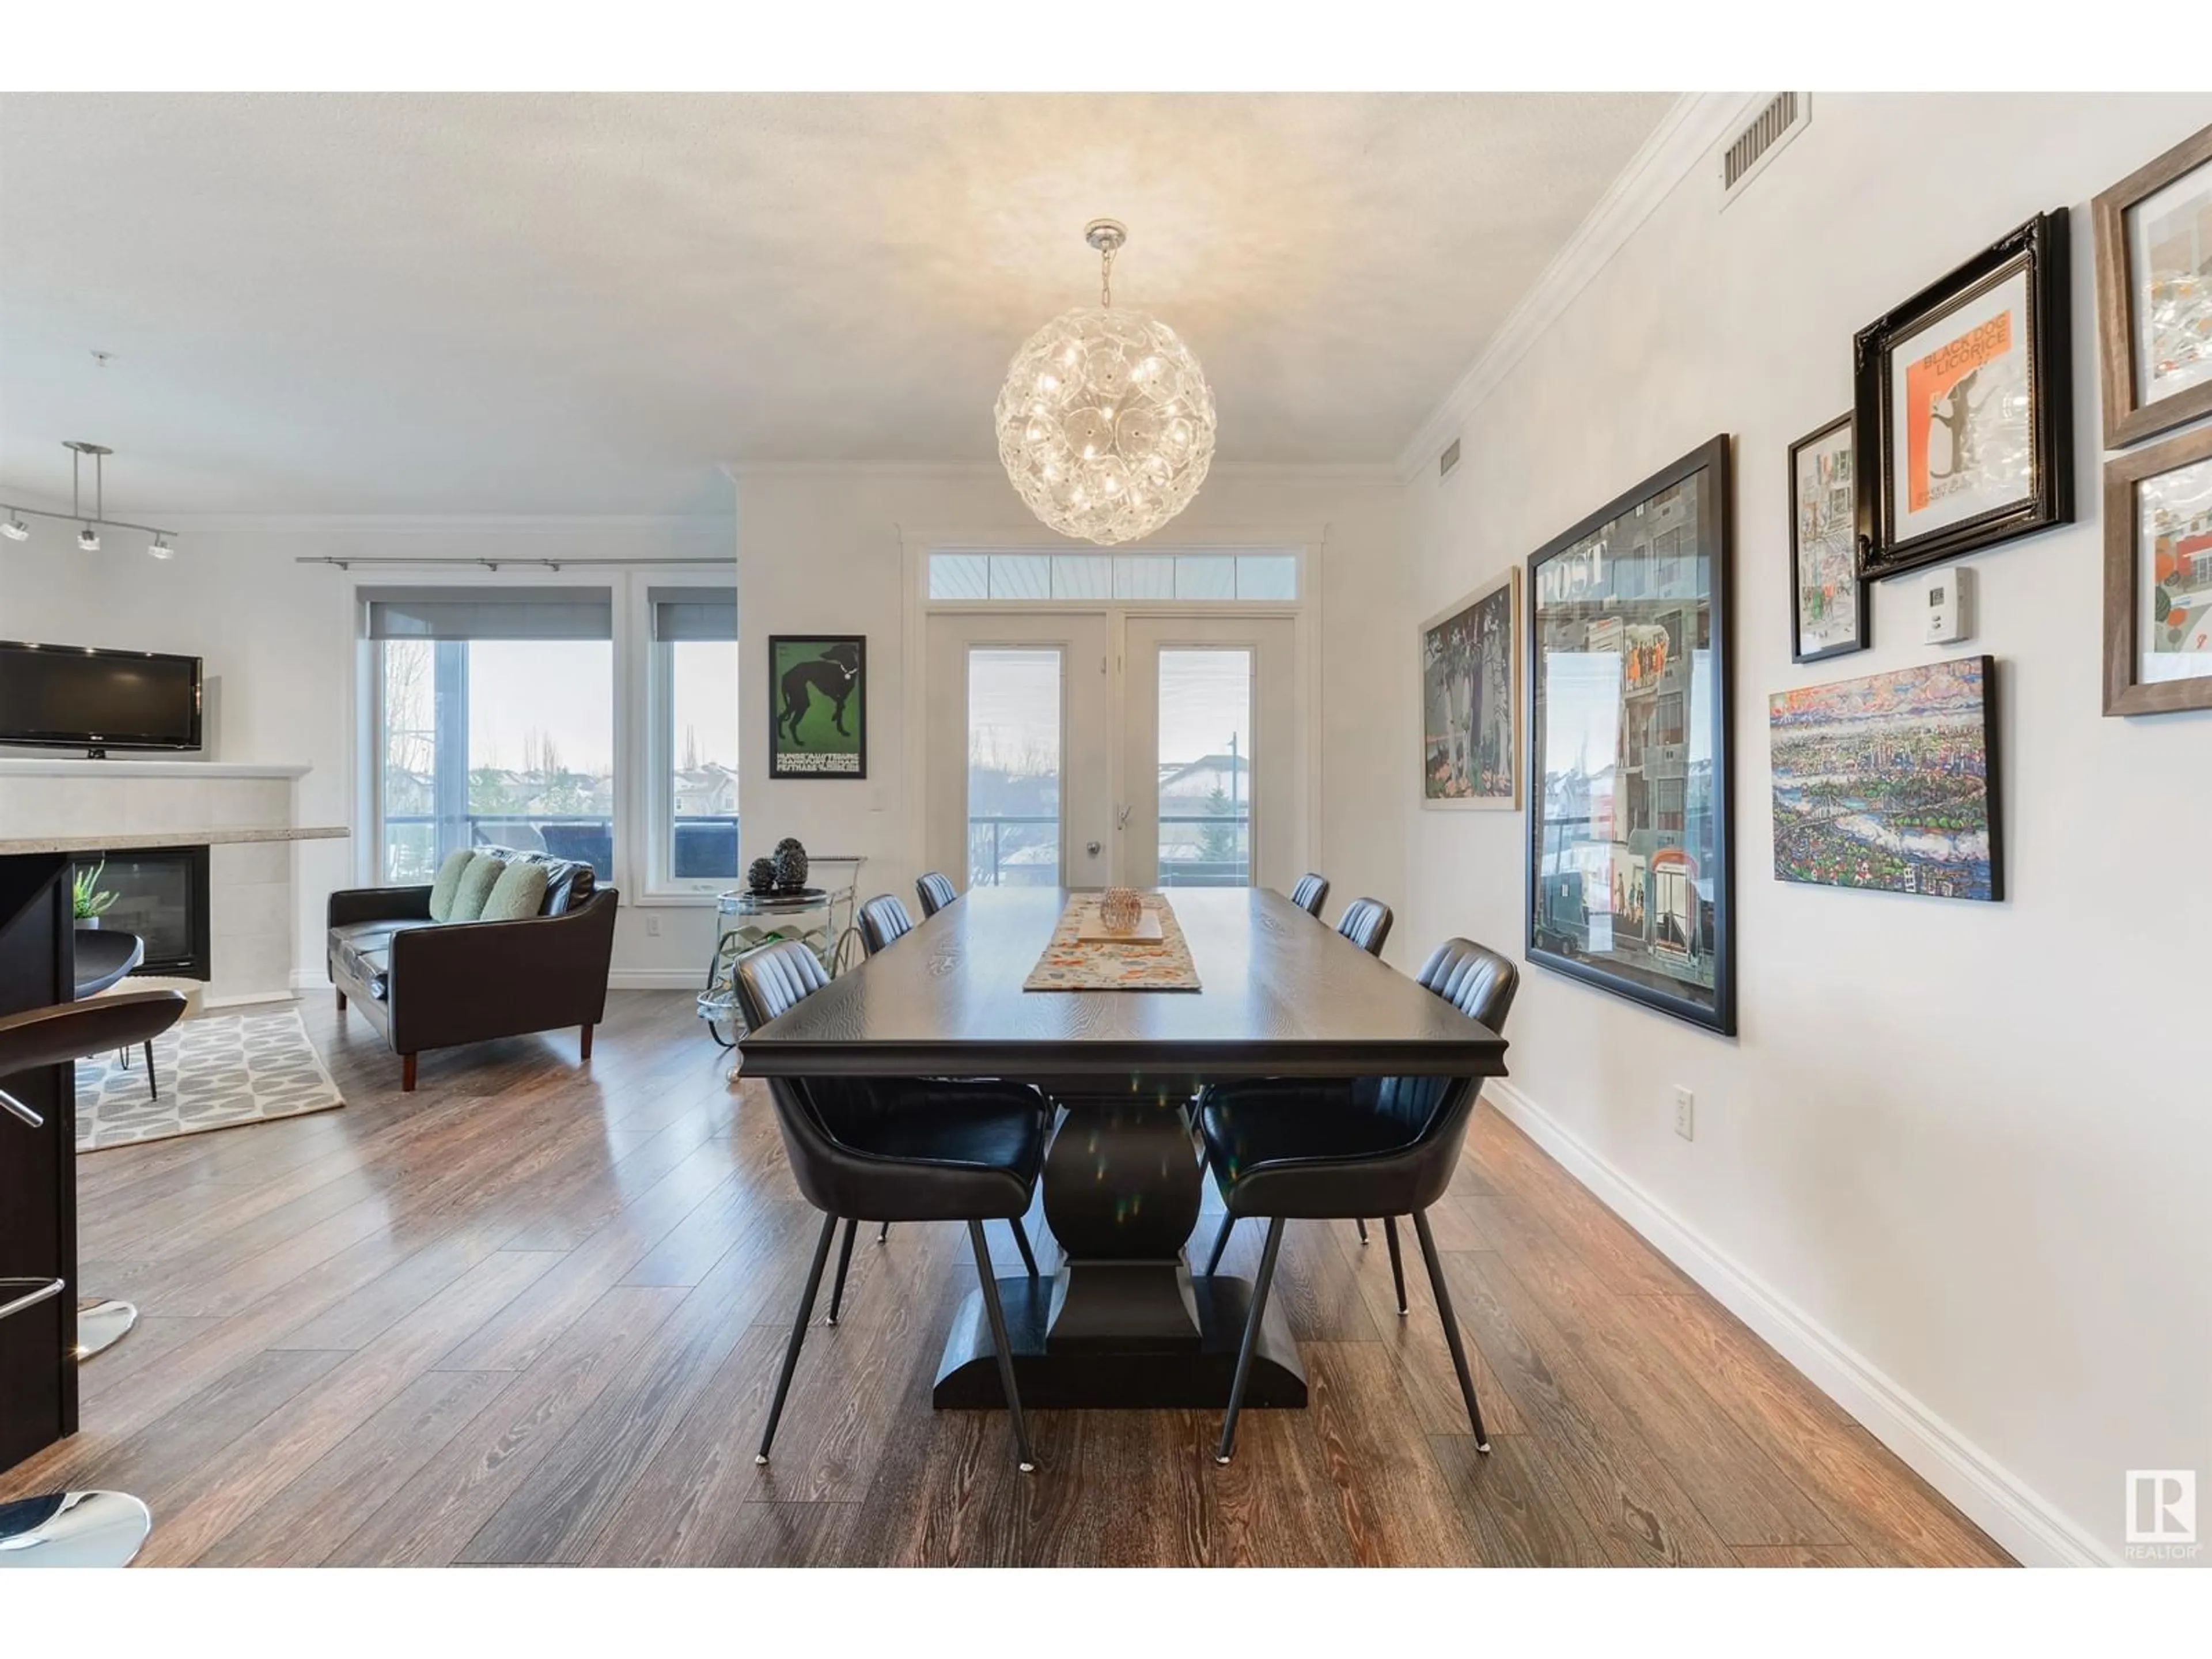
(1106, 277)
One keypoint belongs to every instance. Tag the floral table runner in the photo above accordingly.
(1069, 963)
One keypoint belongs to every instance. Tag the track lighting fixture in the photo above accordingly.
(90, 524)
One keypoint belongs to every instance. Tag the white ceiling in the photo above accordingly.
(584, 303)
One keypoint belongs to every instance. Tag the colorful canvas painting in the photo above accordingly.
(1470, 691)
(818, 696)
(2176, 537)
(1890, 782)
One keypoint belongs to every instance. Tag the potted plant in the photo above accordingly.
(86, 897)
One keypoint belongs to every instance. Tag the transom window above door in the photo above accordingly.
(1225, 576)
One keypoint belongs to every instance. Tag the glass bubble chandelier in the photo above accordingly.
(1106, 422)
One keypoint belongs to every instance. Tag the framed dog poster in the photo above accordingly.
(818, 686)
(1963, 413)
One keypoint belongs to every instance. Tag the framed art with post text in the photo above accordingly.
(2155, 293)
(818, 687)
(1631, 882)
(1962, 412)
(1471, 700)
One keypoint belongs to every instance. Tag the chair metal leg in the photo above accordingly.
(884, 1233)
(1004, 1348)
(1251, 1339)
(844, 1261)
(1022, 1244)
(153, 1083)
(798, 1334)
(1397, 1264)
(1451, 1328)
(1220, 1244)
(1362, 1225)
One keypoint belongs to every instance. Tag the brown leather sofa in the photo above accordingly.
(427, 984)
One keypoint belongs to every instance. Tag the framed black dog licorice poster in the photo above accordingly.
(818, 686)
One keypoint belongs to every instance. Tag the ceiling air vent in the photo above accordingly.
(1449, 459)
(1758, 143)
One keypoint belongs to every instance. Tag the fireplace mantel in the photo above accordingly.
(137, 839)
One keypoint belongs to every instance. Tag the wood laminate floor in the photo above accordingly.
(533, 1312)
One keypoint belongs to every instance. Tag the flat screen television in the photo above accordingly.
(73, 697)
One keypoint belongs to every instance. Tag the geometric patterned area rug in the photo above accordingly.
(215, 1072)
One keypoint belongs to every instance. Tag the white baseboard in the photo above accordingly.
(621, 979)
(1989, 1495)
(655, 979)
(247, 998)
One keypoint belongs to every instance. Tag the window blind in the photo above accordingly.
(487, 613)
(693, 613)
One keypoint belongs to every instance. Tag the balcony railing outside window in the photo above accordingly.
(1197, 850)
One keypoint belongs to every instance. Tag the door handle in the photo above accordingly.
(1092, 847)
(16, 1108)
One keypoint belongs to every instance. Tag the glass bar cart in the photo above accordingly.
(822, 916)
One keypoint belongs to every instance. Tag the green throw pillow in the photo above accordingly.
(476, 882)
(449, 878)
(520, 892)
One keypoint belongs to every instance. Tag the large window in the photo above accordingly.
(694, 667)
(496, 708)
(1013, 765)
(1206, 766)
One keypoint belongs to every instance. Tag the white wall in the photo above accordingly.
(279, 637)
(1969, 1145)
(820, 550)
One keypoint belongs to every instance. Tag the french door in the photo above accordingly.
(1020, 743)
(1092, 748)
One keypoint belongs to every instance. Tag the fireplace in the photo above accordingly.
(160, 894)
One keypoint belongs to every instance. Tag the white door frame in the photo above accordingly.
(916, 545)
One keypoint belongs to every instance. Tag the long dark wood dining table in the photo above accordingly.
(1124, 1322)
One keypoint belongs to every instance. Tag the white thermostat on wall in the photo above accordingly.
(1944, 618)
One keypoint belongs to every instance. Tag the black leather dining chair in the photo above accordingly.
(1366, 923)
(1291, 1150)
(883, 920)
(935, 890)
(1311, 892)
(921, 1150)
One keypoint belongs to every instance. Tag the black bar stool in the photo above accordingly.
(71, 1528)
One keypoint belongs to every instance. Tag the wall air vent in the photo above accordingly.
(1759, 143)
(1449, 459)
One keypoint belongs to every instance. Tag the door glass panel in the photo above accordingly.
(1013, 765)
(1206, 766)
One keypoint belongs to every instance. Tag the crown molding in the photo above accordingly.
(1685, 137)
(1344, 472)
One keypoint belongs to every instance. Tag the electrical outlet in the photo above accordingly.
(1685, 1119)
(653, 926)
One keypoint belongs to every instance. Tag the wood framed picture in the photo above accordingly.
(1828, 609)
(2155, 293)
(1963, 410)
(817, 688)
(2158, 577)
(1890, 781)
(1471, 700)
(1631, 882)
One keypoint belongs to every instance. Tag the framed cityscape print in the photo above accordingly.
(1963, 408)
(1890, 781)
(1471, 700)
(2155, 293)
(1630, 881)
(2158, 577)
(817, 688)
(1828, 609)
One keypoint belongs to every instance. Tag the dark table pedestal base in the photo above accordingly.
(1053, 1374)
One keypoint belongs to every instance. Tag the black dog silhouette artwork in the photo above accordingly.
(836, 674)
